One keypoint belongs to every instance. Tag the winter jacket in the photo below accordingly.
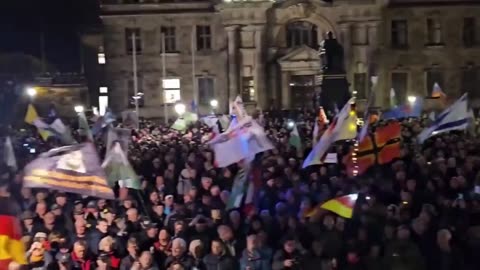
(255, 261)
(224, 262)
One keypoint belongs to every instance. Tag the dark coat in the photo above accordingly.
(224, 262)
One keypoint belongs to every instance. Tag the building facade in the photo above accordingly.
(268, 51)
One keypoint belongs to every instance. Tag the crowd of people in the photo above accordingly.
(420, 212)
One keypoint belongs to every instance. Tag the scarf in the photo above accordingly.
(84, 264)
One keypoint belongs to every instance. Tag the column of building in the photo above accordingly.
(260, 78)
(233, 71)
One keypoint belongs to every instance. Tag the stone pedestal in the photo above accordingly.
(334, 91)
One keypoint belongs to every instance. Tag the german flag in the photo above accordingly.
(342, 206)
(381, 147)
(11, 246)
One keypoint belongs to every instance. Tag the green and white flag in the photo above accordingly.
(295, 140)
(118, 169)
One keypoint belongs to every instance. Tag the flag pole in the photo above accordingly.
(355, 141)
(194, 83)
(135, 79)
(164, 76)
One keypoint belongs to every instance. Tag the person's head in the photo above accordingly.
(225, 233)
(132, 246)
(317, 248)
(80, 249)
(196, 249)
(41, 196)
(132, 214)
(403, 233)
(217, 247)
(145, 259)
(252, 243)
(262, 238)
(154, 198)
(61, 199)
(289, 245)
(179, 246)
(328, 222)
(106, 244)
(41, 208)
(102, 225)
(164, 235)
(235, 217)
(49, 218)
(419, 226)
(443, 238)
(151, 230)
(80, 226)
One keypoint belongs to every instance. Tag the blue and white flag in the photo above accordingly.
(455, 117)
(241, 142)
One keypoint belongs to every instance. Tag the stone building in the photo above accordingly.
(268, 51)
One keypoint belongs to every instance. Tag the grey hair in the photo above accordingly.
(180, 242)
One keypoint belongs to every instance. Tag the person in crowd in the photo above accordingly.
(252, 258)
(219, 259)
(179, 255)
(421, 211)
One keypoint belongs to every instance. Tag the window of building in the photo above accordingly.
(360, 84)
(132, 98)
(469, 28)
(103, 90)
(101, 59)
(302, 33)
(133, 33)
(359, 35)
(206, 90)
(172, 90)
(400, 86)
(470, 82)
(204, 37)
(433, 76)
(248, 89)
(399, 34)
(434, 31)
(169, 38)
(102, 104)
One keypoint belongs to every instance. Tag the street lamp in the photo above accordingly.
(180, 109)
(31, 92)
(412, 99)
(78, 108)
(214, 103)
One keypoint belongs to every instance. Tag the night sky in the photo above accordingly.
(21, 22)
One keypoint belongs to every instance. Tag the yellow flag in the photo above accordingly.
(32, 118)
(31, 115)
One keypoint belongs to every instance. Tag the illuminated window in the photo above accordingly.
(101, 59)
(102, 104)
(103, 90)
(172, 90)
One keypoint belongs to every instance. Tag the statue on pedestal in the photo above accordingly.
(332, 56)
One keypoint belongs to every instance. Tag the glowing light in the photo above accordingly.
(180, 108)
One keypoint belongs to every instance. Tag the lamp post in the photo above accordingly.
(412, 99)
(31, 92)
(78, 109)
(180, 109)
